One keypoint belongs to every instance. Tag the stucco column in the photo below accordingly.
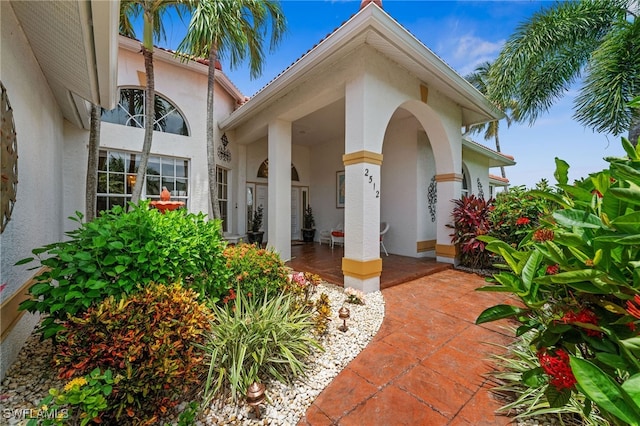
(364, 132)
(362, 264)
(279, 220)
(241, 191)
(449, 188)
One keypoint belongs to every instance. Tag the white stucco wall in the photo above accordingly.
(327, 161)
(37, 216)
(186, 88)
(478, 168)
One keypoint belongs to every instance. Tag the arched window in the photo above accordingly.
(130, 112)
(263, 171)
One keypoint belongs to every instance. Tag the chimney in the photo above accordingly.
(363, 3)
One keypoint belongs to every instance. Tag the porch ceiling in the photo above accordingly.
(322, 125)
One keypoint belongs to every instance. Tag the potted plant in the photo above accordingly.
(255, 223)
(308, 232)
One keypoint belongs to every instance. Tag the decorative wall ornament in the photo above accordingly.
(480, 190)
(224, 153)
(8, 158)
(432, 198)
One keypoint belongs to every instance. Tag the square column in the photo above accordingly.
(449, 188)
(362, 264)
(279, 212)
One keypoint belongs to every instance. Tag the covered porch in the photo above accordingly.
(327, 262)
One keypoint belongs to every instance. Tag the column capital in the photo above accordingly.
(449, 177)
(362, 157)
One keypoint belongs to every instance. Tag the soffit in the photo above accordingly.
(64, 40)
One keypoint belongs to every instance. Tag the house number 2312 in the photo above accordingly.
(369, 179)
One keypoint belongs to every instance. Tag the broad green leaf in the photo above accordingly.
(534, 378)
(499, 312)
(623, 171)
(573, 217)
(99, 241)
(23, 261)
(40, 288)
(612, 360)
(530, 268)
(629, 223)
(555, 398)
(575, 276)
(603, 390)
(630, 195)
(632, 387)
(628, 146)
(82, 255)
(562, 171)
(495, 288)
(117, 245)
(632, 343)
(72, 295)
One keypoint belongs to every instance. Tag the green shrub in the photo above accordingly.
(258, 338)
(471, 219)
(148, 340)
(302, 286)
(515, 212)
(255, 269)
(113, 254)
(578, 276)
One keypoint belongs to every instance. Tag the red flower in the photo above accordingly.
(541, 235)
(584, 316)
(522, 221)
(556, 366)
(597, 193)
(552, 269)
(634, 309)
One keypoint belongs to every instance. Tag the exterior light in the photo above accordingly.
(255, 396)
(343, 314)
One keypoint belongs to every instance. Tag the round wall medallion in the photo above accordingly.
(8, 158)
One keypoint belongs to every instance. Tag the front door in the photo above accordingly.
(295, 213)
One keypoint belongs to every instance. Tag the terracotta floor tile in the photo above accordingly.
(315, 417)
(393, 406)
(444, 395)
(343, 395)
(382, 363)
(465, 368)
(388, 326)
(480, 410)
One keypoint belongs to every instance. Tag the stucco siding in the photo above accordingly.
(37, 215)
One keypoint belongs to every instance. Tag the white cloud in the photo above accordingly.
(466, 52)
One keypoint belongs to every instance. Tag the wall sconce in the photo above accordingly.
(131, 180)
(343, 314)
(223, 152)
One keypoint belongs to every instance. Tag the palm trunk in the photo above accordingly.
(149, 103)
(211, 148)
(634, 128)
(497, 139)
(92, 165)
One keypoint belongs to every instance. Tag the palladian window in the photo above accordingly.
(131, 112)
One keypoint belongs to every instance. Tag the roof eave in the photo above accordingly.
(496, 159)
(371, 17)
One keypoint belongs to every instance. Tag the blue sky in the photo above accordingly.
(464, 34)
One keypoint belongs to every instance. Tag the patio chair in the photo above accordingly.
(337, 235)
(384, 227)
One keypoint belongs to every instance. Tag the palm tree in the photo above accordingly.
(152, 12)
(234, 30)
(560, 44)
(480, 80)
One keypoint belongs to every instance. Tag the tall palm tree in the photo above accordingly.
(597, 39)
(232, 30)
(152, 12)
(480, 80)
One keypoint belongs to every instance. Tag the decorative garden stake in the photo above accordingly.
(255, 396)
(343, 314)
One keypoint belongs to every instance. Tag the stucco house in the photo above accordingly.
(366, 127)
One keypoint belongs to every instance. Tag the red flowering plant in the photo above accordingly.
(577, 273)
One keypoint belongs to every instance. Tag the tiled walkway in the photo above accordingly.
(427, 363)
